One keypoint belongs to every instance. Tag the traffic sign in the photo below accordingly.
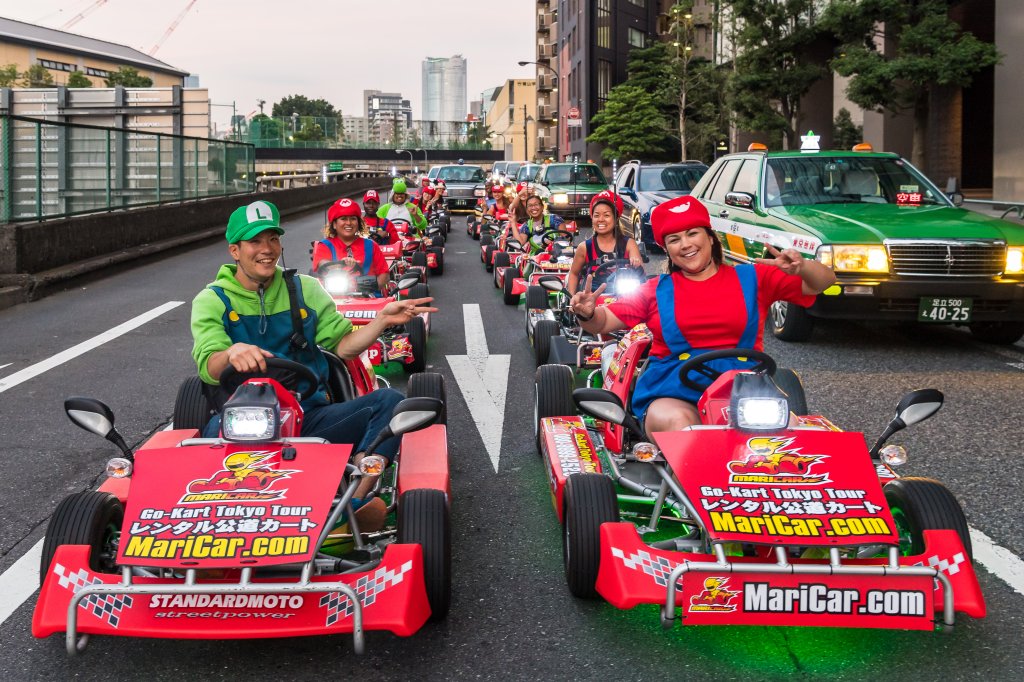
(573, 113)
(335, 166)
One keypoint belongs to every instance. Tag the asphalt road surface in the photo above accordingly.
(511, 615)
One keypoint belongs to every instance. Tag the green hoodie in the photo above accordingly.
(419, 221)
(208, 331)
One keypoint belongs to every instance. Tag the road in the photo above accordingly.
(511, 614)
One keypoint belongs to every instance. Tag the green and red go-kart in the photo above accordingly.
(552, 263)
(756, 516)
(356, 298)
(492, 233)
(426, 252)
(474, 221)
(555, 333)
(251, 534)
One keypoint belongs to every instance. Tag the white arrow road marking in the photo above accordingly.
(84, 347)
(483, 380)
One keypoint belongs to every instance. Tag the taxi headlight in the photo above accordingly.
(119, 467)
(479, 192)
(250, 423)
(1015, 260)
(560, 199)
(859, 258)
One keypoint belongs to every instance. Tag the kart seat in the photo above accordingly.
(339, 381)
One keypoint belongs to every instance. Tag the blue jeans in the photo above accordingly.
(355, 422)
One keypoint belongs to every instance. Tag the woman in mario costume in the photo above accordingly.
(343, 242)
(608, 242)
(700, 304)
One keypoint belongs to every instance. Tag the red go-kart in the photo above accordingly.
(553, 263)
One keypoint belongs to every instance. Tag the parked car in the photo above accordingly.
(644, 186)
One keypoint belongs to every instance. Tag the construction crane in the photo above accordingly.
(170, 29)
(83, 14)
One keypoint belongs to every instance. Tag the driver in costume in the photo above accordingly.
(537, 222)
(701, 304)
(244, 316)
(342, 242)
(380, 229)
(608, 242)
(401, 209)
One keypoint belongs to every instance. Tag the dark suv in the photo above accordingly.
(461, 181)
(643, 186)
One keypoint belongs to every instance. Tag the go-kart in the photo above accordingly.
(358, 299)
(251, 534)
(474, 221)
(551, 264)
(760, 515)
(425, 252)
(553, 330)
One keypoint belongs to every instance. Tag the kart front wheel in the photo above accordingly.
(420, 290)
(543, 332)
(588, 501)
(87, 518)
(191, 408)
(790, 383)
(487, 240)
(537, 297)
(511, 275)
(429, 385)
(920, 504)
(552, 396)
(489, 258)
(790, 322)
(417, 331)
(419, 260)
(423, 520)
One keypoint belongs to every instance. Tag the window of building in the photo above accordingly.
(604, 23)
(604, 82)
(56, 66)
(100, 73)
(635, 37)
(638, 3)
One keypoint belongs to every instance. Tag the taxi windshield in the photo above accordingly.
(802, 181)
(528, 172)
(577, 173)
(461, 174)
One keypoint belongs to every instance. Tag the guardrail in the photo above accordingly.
(270, 182)
(1011, 206)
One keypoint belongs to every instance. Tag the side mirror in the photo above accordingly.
(95, 417)
(957, 198)
(408, 282)
(628, 192)
(912, 408)
(606, 406)
(412, 414)
(553, 284)
(740, 200)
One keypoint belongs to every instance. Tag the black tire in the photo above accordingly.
(487, 240)
(421, 273)
(419, 260)
(488, 255)
(1002, 333)
(429, 385)
(417, 330)
(88, 518)
(423, 520)
(439, 254)
(789, 382)
(536, 297)
(501, 260)
(419, 291)
(552, 397)
(191, 408)
(543, 332)
(920, 504)
(588, 501)
(790, 322)
(510, 275)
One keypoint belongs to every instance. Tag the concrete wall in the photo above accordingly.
(1007, 141)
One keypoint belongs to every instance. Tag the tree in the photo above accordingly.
(37, 76)
(9, 75)
(310, 131)
(265, 131)
(128, 77)
(844, 133)
(651, 69)
(776, 63)
(925, 49)
(303, 106)
(77, 79)
(630, 125)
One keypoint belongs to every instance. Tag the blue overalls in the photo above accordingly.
(367, 252)
(661, 378)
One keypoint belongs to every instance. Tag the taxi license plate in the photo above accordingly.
(944, 310)
(584, 211)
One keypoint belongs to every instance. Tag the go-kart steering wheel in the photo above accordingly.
(699, 364)
(605, 268)
(292, 375)
(549, 236)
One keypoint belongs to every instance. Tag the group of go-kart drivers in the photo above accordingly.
(700, 303)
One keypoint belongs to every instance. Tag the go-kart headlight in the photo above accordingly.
(757, 404)
(337, 283)
(646, 452)
(372, 465)
(250, 423)
(560, 198)
(893, 455)
(626, 285)
(1015, 260)
(854, 258)
(119, 467)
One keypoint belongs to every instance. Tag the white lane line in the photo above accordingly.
(84, 347)
(483, 380)
(19, 581)
(7, 365)
(999, 561)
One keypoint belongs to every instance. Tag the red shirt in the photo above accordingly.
(375, 222)
(710, 313)
(321, 253)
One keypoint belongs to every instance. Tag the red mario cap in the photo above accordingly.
(371, 195)
(607, 197)
(678, 215)
(497, 188)
(342, 207)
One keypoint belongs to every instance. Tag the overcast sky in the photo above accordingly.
(247, 50)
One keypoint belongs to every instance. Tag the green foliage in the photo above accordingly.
(707, 109)
(128, 77)
(77, 79)
(310, 132)
(844, 133)
(37, 76)
(630, 125)
(262, 128)
(303, 106)
(9, 75)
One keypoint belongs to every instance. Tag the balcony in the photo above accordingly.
(545, 51)
(545, 82)
(543, 3)
(543, 24)
(545, 112)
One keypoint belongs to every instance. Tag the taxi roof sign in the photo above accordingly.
(863, 147)
(756, 147)
(809, 142)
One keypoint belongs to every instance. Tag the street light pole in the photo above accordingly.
(406, 151)
(425, 161)
(558, 83)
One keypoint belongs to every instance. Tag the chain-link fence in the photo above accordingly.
(318, 132)
(50, 169)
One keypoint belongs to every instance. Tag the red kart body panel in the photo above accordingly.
(424, 462)
(620, 378)
(393, 597)
(567, 450)
(633, 573)
(360, 311)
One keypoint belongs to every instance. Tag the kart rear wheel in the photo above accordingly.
(429, 385)
(191, 408)
(552, 397)
(920, 504)
(487, 240)
(417, 331)
(488, 258)
(588, 501)
(419, 291)
(439, 255)
(423, 520)
(789, 382)
(419, 260)
(790, 322)
(501, 260)
(87, 518)
(537, 297)
(543, 332)
(511, 275)
(421, 273)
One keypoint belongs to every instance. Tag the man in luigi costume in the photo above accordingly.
(244, 316)
(401, 208)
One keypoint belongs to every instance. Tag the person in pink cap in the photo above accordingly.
(699, 304)
(608, 242)
(499, 203)
(343, 242)
(380, 229)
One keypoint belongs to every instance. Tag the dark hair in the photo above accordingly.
(329, 230)
(616, 227)
(716, 253)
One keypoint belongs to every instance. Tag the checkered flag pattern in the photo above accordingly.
(950, 567)
(367, 588)
(658, 568)
(106, 607)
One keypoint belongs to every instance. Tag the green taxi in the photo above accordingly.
(901, 249)
(569, 187)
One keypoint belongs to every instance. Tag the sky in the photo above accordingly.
(248, 50)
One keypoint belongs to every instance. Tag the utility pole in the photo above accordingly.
(684, 51)
(525, 136)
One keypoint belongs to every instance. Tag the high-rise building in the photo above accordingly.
(357, 129)
(510, 120)
(386, 105)
(546, 113)
(444, 89)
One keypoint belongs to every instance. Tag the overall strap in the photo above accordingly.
(367, 255)
(330, 247)
(747, 275)
(670, 331)
(298, 338)
(223, 297)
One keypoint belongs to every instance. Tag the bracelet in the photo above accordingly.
(585, 319)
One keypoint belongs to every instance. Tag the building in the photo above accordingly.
(444, 89)
(61, 53)
(487, 97)
(386, 106)
(357, 130)
(511, 121)
(546, 113)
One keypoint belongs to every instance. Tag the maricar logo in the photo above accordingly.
(773, 460)
(714, 597)
(245, 476)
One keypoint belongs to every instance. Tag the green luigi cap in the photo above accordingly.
(398, 186)
(248, 221)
